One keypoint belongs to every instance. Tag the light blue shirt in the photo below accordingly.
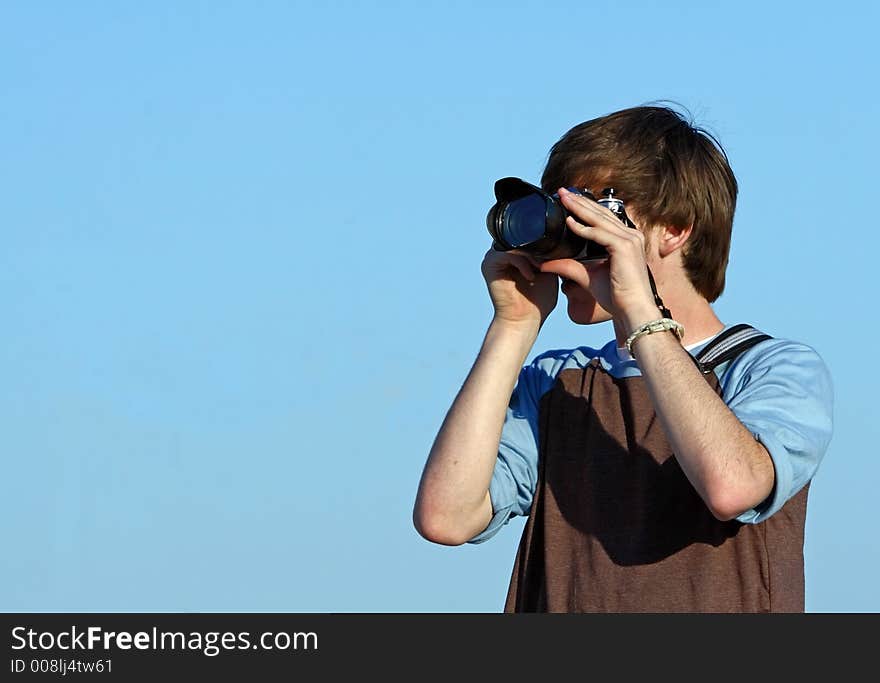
(779, 389)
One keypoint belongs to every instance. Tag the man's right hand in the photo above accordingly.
(520, 292)
(453, 503)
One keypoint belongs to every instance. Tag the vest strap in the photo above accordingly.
(727, 345)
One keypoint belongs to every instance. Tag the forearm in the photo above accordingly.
(452, 503)
(730, 470)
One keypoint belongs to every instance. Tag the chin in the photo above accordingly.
(586, 311)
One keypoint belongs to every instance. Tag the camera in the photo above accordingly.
(526, 218)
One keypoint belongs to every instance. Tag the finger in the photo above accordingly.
(595, 214)
(526, 255)
(569, 269)
(522, 264)
(613, 240)
(592, 212)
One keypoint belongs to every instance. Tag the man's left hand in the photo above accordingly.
(620, 283)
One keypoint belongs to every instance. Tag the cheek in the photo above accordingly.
(651, 233)
(652, 244)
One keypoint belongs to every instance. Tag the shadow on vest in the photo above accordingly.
(610, 476)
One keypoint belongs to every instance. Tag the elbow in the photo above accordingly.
(728, 503)
(729, 497)
(435, 526)
(724, 510)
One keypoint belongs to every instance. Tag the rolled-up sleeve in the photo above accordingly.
(516, 469)
(782, 392)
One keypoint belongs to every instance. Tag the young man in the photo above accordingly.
(658, 473)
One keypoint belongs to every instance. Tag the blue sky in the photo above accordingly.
(240, 274)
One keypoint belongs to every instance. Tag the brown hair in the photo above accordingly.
(670, 171)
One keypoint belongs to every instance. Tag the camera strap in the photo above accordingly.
(657, 300)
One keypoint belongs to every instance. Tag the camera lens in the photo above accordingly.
(523, 220)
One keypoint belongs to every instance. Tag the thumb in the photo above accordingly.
(568, 268)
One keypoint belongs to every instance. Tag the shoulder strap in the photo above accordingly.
(727, 345)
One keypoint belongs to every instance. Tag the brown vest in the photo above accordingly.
(615, 525)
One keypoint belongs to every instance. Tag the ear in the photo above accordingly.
(671, 238)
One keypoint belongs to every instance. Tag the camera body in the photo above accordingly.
(526, 218)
